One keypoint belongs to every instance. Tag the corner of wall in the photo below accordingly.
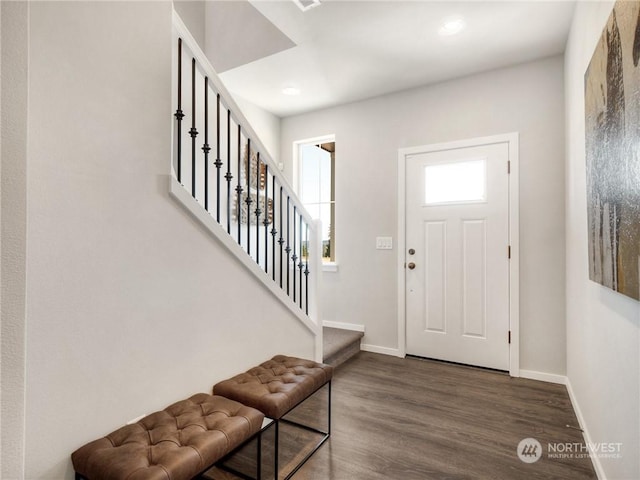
(14, 100)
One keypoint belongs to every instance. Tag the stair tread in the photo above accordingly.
(336, 339)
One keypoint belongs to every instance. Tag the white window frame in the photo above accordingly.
(326, 266)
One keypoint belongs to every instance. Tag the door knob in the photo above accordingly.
(411, 265)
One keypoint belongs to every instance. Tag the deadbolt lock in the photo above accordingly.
(412, 251)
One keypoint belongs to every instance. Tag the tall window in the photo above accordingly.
(316, 187)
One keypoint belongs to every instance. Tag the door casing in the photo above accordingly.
(512, 140)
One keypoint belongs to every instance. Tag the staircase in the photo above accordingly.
(340, 345)
(222, 174)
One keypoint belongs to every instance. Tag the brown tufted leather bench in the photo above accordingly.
(177, 443)
(278, 386)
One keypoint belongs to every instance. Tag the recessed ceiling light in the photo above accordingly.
(452, 26)
(290, 90)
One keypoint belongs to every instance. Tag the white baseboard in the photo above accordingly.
(585, 432)
(394, 352)
(544, 377)
(563, 380)
(344, 326)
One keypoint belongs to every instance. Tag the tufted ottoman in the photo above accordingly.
(276, 387)
(177, 443)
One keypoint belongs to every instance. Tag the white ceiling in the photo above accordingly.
(344, 50)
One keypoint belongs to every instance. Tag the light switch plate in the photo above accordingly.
(384, 243)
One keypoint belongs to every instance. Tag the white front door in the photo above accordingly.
(457, 255)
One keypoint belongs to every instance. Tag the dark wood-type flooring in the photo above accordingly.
(413, 419)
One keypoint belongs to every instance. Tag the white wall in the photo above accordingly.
(603, 327)
(526, 98)
(130, 304)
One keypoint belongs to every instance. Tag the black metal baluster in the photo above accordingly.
(274, 232)
(288, 249)
(281, 240)
(218, 162)
(258, 211)
(206, 148)
(306, 276)
(265, 222)
(229, 176)
(294, 257)
(179, 114)
(239, 186)
(249, 201)
(300, 264)
(193, 132)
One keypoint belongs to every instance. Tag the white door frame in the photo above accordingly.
(514, 265)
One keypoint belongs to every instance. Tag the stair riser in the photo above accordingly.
(343, 354)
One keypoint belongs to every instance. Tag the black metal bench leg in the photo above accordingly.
(329, 410)
(259, 458)
(276, 449)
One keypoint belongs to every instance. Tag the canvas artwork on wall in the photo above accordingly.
(612, 125)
